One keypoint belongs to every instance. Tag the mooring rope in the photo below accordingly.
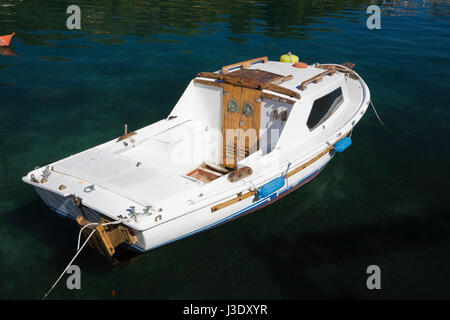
(349, 71)
(387, 129)
(371, 103)
(70, 263)
(378, 117)
(79, 250)
(95, 224)
(79, 233)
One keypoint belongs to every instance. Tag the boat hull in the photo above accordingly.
(194, 222)
(5, 41)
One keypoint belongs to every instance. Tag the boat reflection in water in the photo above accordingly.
(7, 51)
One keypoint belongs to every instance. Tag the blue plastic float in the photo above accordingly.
(343, 144)
(271, 186)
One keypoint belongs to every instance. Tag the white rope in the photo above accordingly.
(70, 263)
(79, 233)
(379, 119)
(79, 249)
(95, 223)
(371, 103)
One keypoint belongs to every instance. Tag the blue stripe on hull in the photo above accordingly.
(253, 207)
(62, 214)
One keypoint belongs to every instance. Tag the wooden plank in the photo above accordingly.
(130, 238)
(95, 241)
(349, 65)
(210, 75)
(351, 74)
(107, 245)
(282, 90)
(283, 79)
(317, 78)
(259, 75)
(117, 236)
(336, 67)
(215, 168)
(203, 175)
(232, 201)
(256, 78)
(126, 136)
(118, 233)
(246, 83)
(244, 64)
(230, 124)
(106, 238)
(240, 131)
(209, 83)
(250, 124)
(240, 174)
(309, 162)
(290, 174)
(243, 82)
(273, 97)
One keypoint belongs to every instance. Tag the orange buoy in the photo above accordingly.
(5, 41)
(300, 65)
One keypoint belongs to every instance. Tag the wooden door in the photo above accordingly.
(241, 116)
(248, 140)
(231, 115)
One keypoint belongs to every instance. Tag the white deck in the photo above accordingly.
(156, 177)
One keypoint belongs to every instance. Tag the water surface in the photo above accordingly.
(384, 201)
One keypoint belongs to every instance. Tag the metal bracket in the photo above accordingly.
(89, 188)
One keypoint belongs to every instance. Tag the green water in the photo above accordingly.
(384, 201)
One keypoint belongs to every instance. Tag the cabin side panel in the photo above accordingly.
(182, 108)
(206, 109)
(274, 116)
(295, 130)
(200, 103)
(206, 105)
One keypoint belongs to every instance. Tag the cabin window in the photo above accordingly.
(247, 109)
(324, 107)
(233, 106)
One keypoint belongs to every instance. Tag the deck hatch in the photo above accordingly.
(257, 75)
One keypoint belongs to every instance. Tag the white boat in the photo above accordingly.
(237, 140)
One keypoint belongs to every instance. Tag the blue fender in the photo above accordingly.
(271, 186)
(343, 144)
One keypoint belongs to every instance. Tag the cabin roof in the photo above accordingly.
(281, 77)
(299, 75)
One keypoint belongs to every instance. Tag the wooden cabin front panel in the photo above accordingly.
(241, 117)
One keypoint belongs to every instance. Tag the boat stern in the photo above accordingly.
(110, 232)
